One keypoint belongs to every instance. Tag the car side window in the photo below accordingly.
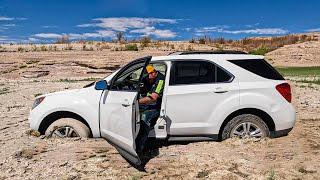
(128, 79)
(222, 75)
(192, 72)
(197, 72)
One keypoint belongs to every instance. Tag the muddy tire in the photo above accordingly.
(67, 128)
(245, 126)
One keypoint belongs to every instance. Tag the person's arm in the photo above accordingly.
(149, 99)
(152, 98)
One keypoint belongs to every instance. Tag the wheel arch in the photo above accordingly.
(52, 117)
(258, 112)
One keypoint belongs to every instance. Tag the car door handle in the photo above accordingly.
(125, 105)
(220, 90)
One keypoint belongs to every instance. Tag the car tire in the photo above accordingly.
(67, 128)
(238, 127)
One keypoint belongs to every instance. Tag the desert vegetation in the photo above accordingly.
(258, 46)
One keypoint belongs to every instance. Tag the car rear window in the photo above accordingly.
(259, 67)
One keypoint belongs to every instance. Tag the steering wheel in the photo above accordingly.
(131, 84)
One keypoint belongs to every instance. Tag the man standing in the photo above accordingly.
(149, 104)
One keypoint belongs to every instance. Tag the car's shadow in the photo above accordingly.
(152, 150)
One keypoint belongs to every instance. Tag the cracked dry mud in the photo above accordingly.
(26, 155)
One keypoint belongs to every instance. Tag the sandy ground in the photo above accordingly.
(25, 156)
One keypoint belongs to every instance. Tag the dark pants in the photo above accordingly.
(148, 119)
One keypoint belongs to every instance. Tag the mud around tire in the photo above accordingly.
(80, 129)
(226, 133)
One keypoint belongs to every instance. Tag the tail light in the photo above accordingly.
(285, 90)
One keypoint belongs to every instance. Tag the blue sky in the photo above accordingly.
(47, 20)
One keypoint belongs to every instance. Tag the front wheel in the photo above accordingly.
(67, 128)
(245, 126)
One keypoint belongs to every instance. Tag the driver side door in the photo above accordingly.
(119, 110)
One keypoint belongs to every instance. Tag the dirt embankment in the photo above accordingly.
(25, 156)
(301, 54)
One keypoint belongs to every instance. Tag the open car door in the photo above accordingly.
(119, 109)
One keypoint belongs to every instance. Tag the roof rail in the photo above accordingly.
(208, 52)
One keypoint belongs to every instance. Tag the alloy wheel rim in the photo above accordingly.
(247, 130)
(64, 132)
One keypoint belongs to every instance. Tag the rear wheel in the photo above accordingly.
(245, 126)
(67, 128)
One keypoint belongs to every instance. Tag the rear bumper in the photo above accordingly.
(284, 132)
(284, 117)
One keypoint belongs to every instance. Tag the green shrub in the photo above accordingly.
(69, 47)
(131, 47)
(190, 48)
(262, 50)
(21, 49)
(102, 47)
(34, 48)
(202, 41)
(192, 41)
(145, 41)
(43, 48)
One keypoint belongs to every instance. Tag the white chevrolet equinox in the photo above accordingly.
(207, 96)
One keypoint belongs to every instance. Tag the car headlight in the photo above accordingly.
(37, 101)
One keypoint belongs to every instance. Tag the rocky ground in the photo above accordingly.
(24, 155)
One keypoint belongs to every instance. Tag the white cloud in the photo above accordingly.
(3, 38)
(252, 25)
(9, 25)
(48, 35)
(33, 39)
(199, 34)
(49, 26)
(98, 34)
(268, 31)
(224, 29)
(313, 30)
(4, 18)
(21, 18)
(6, 39)
(110, 26)
(107, 33)
(125, 23)
(147, 31)
(72, 36)
(218, 28)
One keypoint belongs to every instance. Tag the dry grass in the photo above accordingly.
(257, 45)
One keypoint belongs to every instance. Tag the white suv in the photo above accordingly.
(207, 96)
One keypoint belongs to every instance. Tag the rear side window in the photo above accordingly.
(259, 67)
(197, 72)
(221, 75)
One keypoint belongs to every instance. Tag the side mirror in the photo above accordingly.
(101, 85)
(134, 76)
